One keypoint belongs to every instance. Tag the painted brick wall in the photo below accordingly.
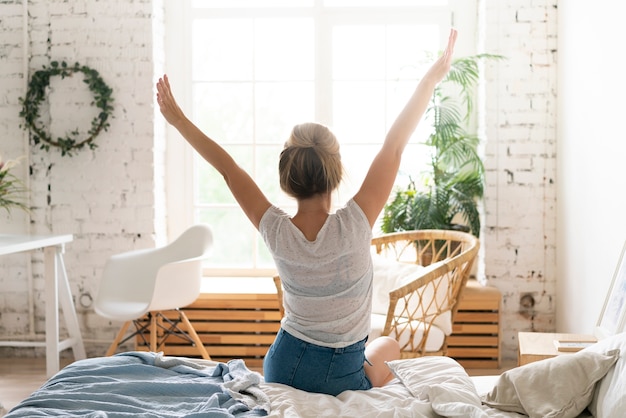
(13, 276)
(111, 198)
(106, 197)
(520, 200)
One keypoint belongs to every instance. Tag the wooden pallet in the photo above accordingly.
(475, 341)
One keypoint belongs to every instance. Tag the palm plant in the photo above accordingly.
(454, 183)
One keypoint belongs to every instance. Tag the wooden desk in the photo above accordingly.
(57, 289)
(535, 346)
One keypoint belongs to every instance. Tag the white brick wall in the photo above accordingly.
(520, 225)
(105, 197)
(112, 198)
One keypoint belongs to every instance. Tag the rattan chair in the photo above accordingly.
(417, 307)
(448, 257)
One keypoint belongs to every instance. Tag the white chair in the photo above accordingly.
(147, 282)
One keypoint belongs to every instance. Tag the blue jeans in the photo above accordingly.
(314, 368)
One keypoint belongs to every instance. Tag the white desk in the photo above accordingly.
(57, 289)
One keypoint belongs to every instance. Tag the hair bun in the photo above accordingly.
(313, 135)
(310, 163)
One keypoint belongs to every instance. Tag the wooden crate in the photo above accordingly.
(230, 323)
(475, 341)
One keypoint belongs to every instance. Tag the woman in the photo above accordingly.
(323, 258)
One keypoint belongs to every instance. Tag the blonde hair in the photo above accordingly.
(310, 163)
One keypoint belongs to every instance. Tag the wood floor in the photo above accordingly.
(19, 377)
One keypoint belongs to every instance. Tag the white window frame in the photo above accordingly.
(462, 14)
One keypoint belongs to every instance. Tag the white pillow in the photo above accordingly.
(442, 381)
(433, 343)
(390, 274)
(609, 399)
(560, 386)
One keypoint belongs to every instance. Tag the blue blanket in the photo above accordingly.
(140, 384)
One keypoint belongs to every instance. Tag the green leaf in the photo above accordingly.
(456, 177)
(35, 95)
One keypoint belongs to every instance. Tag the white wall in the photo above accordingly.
(108, 198)
(519, 229)
(592, 151)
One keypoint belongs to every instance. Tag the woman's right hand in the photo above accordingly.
(167, 104)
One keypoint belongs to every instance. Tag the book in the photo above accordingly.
(572, 346)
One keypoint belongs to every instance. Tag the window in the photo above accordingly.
(246, 71)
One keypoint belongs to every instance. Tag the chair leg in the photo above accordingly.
(153, 332)
(118, 338)
(195, 337)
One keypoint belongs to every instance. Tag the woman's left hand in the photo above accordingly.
(441, 67)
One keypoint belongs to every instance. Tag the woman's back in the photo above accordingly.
(327, 281)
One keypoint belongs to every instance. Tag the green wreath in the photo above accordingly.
(37, 92)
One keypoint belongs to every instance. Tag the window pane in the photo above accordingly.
(359, 111)
(383, 3)
(224, 111)
(266, 174)
(415, 160)
(222, 49)
(410, 49)
(284, 49)
(210, 187)
(231, 223)
(356, 160)
(250, 3)
(280, 106)
(398, 93)
(359, 52)
(265, 260)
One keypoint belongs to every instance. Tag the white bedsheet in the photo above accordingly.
(393, 400)
(439, 387)
(425, 387)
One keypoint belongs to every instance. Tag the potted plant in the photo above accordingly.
(447, 195)
(11, 189)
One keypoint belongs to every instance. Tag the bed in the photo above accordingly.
(591, 382)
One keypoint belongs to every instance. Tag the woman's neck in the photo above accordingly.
(320, 202)
(312, 214)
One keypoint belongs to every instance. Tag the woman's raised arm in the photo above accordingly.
(379, 180)
(244, 189)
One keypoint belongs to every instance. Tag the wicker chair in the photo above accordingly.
(413, 311)
(412, 308)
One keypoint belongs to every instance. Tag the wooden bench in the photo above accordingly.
(475, 339)
(238, 317)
